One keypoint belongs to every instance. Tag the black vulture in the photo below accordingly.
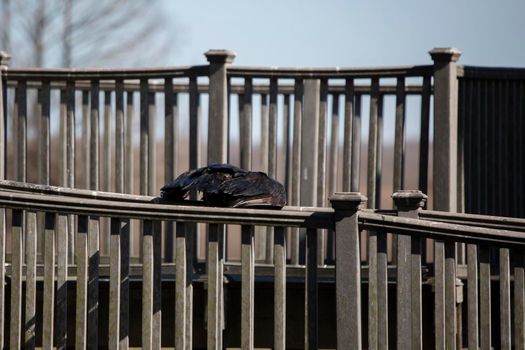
(224, 185)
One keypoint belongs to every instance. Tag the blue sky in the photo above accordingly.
(348, 33)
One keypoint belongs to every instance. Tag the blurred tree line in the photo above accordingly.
(67, 33)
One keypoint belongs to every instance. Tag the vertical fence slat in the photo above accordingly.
(30, 307)
(373, 308)
(287, 125)
(114, 283)
(119, 136)
(379, 152)
(403, 293)
(484, 298)
(170, 156)
(280, 289)
(61, 294)
(311, 298)
(106, 147)
(94, 136)
(450, 295)
(382, 291)
(85, 139)
(424, 136)
(321, 145)
(245, 126)
(247, 285)
(334, 147)
(272, 130)
(180, 286)
(70, 160)
(356, 146)
(44, 135)
(82, 283)
(372, 144)
(147, 284)
(152, 151)
(472, 297)
(21, 137)
(519, 299)
(190, 256)
(399, 138)
(213, 322)
(3, 127)
(93, 281)
(124, 284)
(144, 137)
(504, 299)
(3, 230)
(296, 162)
(17, 232)
(157, 286)
(128, 158)
(348, 269)
(349, 137)
(439, 301)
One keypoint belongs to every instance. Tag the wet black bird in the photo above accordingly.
(224, 185)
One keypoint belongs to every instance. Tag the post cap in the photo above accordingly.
(5, 58)
(347, 200)
(409, 199)
(220, 56)
(445, 54)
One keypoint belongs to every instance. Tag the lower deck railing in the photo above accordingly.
(32, 212)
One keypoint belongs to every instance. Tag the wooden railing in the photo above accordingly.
(99, 129)
(21, 204)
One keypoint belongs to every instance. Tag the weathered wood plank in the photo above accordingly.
(484, 298)
(62, 274)
(296, 162)
(82, 283)
(247, 285)
(157, 286)
(147, 284)
(348, 136)
(245, 125)
(17, 257)
(213, 322)
(504, 299)
(84, 149)
(373, 307)
(519, 299)
(124, 284)
(93, 282)
(382, 291)
(424, 135)
(2, 272)
(311, 297)
(356, 146)
(114, 283)
(48, 317)
(181, 280)
(21, 131)
(280, 289)
(119, 136)
(399, 136)
(372, 144)
(472, 303)
(450, 295)
(94, 136)
(30, 307)
(404, 292)
(128, 157)
(439, 301)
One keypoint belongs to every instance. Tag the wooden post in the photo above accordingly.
(409, 321)
(218, 105)
(348, 268)
(4, 61)
(445, 128)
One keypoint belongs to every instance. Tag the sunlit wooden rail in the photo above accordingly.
(21, 202)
